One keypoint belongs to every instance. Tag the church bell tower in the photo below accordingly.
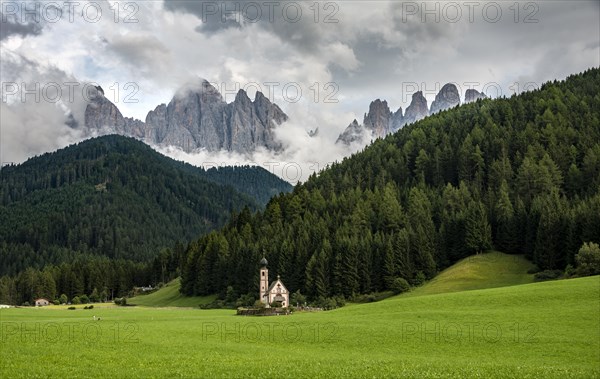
(264, 281)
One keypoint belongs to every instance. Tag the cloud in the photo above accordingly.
(35, 109)
(9, 26)
(350, 52)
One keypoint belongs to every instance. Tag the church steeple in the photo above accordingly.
(264, 281)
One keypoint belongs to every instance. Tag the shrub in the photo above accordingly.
(94, 297)
(298, 298)
(419, 279)
(588, 259)
(56, 302)
(63, 299)
(547, 275)
(76, 300)
(217, 304)
(340, 300)
(88, 307)
(245, 300)
(570, 272)
(399, 285)
(84, 299)
(371, 297)
(26, 304)
(71, 308)
(121, 301)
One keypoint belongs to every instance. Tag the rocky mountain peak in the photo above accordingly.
(352, 133)
(378, 118)
(472, 95)
(417, 109)
(197, 117)
(448, 97)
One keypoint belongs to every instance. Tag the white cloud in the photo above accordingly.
(374, 50)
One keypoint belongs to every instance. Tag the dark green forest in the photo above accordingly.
(115, 197)
(518, 174)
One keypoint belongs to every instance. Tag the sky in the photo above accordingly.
(321, 62)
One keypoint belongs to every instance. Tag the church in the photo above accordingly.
(275, 292)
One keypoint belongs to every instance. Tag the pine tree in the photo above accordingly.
(505, 219)
(422, 232)
(478, 233)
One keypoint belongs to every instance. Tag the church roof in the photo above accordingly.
(274, 283)
(264, 262)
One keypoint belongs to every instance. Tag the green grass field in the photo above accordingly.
(489, 270)
(536, 330)
(169, 296)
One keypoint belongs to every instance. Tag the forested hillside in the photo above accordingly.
(255, 182)
(116, 197)
(520, 174)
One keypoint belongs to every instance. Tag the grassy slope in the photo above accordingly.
(489, 270)
(169, 296)
(549, 330)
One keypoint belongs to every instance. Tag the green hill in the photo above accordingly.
(169, 296)
(115, 196)
(519, 174)
(488, 270)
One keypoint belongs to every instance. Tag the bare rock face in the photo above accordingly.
(101, 113)
(378, 123)
(397, 121)
(378, 118)
(196, 118)
(251, 124)
(448, 97)
(353, 132)
(472, 95)
(417, 110)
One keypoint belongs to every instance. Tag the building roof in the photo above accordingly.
(274, 283)
(264, 262)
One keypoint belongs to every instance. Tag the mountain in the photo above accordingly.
(117, 197)
(417, 110)
(472, 95)
(196, 118)
(518, 174)
(379, 122)
(448, 97)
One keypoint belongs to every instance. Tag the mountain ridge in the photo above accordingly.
(380, 121)
(197, 117)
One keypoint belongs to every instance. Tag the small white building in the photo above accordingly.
(275, 292)
(41, 302)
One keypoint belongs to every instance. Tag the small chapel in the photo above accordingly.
(275, 292)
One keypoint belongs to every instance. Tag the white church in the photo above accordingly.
(274, 292)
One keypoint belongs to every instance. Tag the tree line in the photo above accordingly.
(518, 174)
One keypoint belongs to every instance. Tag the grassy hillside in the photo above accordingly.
(489, 270)
(169, 296)
(509, 332)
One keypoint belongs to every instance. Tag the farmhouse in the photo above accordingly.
(41, 302)
(275, 292)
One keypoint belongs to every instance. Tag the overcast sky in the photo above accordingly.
(340, 55)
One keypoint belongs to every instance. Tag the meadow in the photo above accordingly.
(549, 330)
(169, 296)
